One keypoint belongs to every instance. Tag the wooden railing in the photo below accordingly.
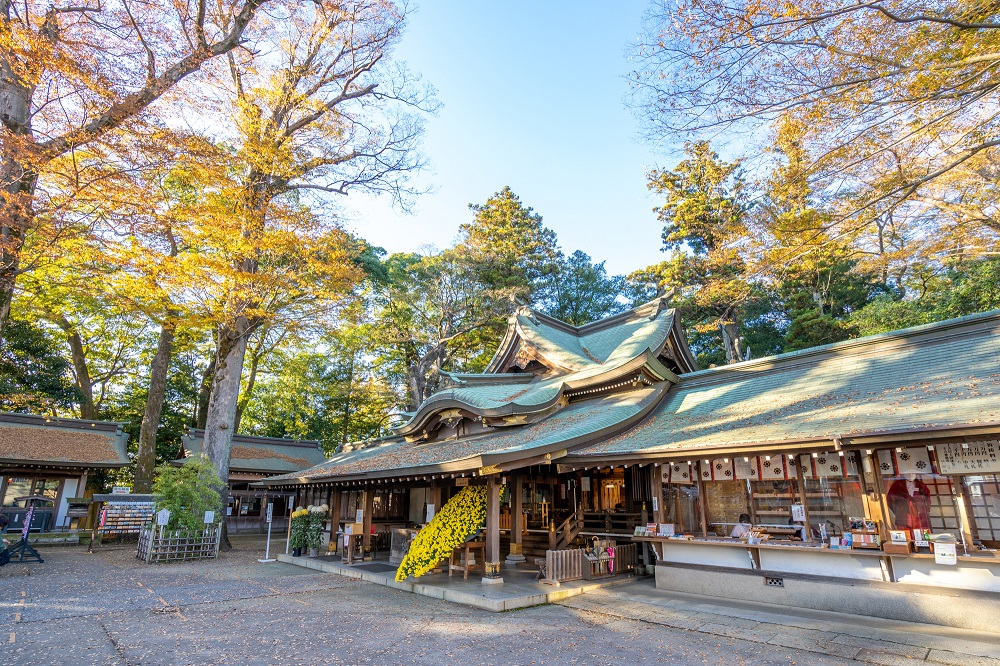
(569, 530)
(563, 565)
(611, 524)
(505, 522)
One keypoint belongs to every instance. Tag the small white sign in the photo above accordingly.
(585, 484)
(798, 512)
(121, 490)
(461, 481)
(359, 516)
(656, 506)
(945, 553)
(163, 516)
(430, 513)
(209, 517)
(229, 510)
(270, 511)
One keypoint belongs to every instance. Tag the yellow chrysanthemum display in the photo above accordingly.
(461, 516)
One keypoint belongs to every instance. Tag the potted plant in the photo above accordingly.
(314, 528)
(300, 525)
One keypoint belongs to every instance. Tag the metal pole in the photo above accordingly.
(267, 548)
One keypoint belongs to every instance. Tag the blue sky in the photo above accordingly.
(533, 97)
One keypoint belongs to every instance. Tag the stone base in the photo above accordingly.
(492, 581)
(925, 604)
(515, 559)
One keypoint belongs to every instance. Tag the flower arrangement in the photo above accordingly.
(316, 524)
(300, 526)
(461, 516)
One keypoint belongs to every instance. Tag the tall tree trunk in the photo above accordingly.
(146, 460)
(17, 181)
(244, 398)
(205, 393)
(79, 357)
(221, 412)
(731, 341)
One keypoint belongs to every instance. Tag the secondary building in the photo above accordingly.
(44, 456)
(250, 460)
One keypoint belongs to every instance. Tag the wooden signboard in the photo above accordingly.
(969, 458)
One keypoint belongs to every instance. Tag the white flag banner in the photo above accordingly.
(680, 473)
(746, 468)
(886, 463)
(850, 464)
(829, 465)
(723, 469)
(775, 467)
(916, 460)
(804, 465)
(705, 470)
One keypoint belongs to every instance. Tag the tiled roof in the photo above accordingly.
(266, 455)
(564, 428)
(933, 376)
(28, 439)
(604, 342)
(588, 354)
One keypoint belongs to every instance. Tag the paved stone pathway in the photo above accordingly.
(866, 639)
(106, 608)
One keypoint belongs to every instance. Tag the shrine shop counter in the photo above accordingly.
(912, 587)
(791, 557)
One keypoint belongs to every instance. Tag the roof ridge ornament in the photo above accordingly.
(662, 302)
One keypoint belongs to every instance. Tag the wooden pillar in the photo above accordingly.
(492, 564)
(803, 496)
(366, 540)
(656, 479)
(516, 516)
(335, 496)
(702, 504)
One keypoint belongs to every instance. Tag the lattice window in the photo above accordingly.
(984, 502)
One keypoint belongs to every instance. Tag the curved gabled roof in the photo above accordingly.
(597, 354)
(572, 348)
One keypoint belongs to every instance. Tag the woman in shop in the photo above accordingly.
(741, 528)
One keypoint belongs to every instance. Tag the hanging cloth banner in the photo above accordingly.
(778, 468)
(913, 460)
(678, 473)
(723, 469)
(747, 468)
(804, 465)
(829, 465)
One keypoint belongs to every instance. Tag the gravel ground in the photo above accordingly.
(107, 608)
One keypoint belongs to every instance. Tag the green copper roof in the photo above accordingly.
(562, 429)
(933, 376)
(577, 357)
(600, 343)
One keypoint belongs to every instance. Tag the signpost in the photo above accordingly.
(267, 549)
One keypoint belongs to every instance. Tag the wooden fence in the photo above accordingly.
(621, 560)
(158, 544)
(563, 565)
